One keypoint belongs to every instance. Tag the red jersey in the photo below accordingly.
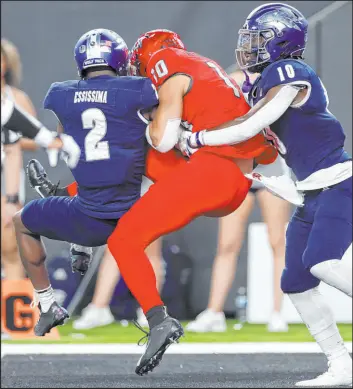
(212, 99)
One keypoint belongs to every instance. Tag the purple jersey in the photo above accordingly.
(103, 115)
(311, 136)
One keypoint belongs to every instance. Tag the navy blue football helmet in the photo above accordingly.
(271, 32)
(101, 47)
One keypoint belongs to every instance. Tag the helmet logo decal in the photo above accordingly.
(281, 19)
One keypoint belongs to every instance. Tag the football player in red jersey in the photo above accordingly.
(196, 92)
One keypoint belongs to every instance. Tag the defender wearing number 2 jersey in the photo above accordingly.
(103, 113)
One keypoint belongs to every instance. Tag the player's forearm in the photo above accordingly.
(15, 119)
(163, 135)
(163, 132)
(12, 168)
(259, 119)
(28, 144)
(155, 131)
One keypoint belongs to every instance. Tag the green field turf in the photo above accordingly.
(116, 333)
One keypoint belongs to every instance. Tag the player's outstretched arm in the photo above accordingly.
(15, 119)
(162, 133)
(277, 100)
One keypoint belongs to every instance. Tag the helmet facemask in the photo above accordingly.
(251, 52)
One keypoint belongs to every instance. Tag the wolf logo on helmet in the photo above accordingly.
(294, 104)
(271, 32)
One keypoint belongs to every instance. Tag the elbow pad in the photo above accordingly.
(170, 136)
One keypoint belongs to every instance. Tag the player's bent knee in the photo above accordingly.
(292, 283)
(18, 223)
(227, 250)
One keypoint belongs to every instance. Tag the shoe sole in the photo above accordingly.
(57, 323)
(155, 360)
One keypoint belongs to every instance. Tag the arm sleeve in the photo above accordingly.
(264, 117)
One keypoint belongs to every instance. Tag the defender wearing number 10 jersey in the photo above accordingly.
(289, 96)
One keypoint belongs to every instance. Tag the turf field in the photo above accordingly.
(128, 333)
(106, 357)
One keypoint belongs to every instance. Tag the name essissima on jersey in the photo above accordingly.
(91, 96)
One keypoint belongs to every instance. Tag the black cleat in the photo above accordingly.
(159, 338)
(55, 316)
(81, 258)
(39, 180)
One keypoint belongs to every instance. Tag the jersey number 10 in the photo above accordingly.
(289, 70)
(161, 69)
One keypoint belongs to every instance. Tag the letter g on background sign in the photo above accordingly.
(17, 317)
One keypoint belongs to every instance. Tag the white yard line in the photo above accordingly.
(183, 348)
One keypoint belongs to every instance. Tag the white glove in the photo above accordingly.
(183, 144)
(71, 150)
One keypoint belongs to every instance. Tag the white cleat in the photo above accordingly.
(141, 318)
(208, 321)
(334, 376)
(277, 323)
(93, 317)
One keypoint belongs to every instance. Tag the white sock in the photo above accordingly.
(318, 317)
(45, 297)
(336, 273)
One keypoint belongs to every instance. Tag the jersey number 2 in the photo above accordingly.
(93, 119)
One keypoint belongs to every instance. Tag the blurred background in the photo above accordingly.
(45, 34)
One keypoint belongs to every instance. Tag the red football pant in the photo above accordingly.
(207, 183)
(72, 189)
